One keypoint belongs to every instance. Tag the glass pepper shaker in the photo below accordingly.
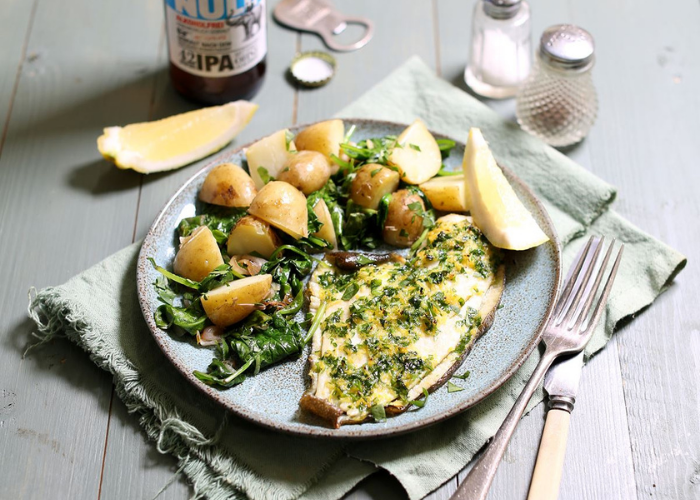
(500, 52)
(558, 102)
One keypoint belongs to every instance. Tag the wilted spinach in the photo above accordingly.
(183, 310)
(219, 219)
(261, 340)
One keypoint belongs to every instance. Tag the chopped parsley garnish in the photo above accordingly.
(351, 291)
(265, 175)
(420, 403)
(378, 413)
(453, 387)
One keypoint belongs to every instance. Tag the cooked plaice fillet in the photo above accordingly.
(391, 330)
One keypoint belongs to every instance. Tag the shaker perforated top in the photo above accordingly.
(567, 46)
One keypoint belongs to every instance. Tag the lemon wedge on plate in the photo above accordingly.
(495, 207)
(175, 141)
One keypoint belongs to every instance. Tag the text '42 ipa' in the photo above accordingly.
(217, 48)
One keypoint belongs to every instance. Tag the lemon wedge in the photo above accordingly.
(495, 207)
(175, 141)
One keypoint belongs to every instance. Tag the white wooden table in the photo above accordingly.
(68, 68)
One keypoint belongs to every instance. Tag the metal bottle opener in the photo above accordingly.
(319, 16)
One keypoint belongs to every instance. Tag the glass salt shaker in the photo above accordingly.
(500, 53)
(558, 102)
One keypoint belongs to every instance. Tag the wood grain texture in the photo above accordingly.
(133, 467)
(55, 402)
(634, 430)
(15, 27)
(400, 32)
(648, 73)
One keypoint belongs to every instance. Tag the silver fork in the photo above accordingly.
(567, 332)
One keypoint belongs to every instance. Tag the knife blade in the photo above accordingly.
(561, 382)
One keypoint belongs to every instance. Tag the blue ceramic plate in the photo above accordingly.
(271, 398)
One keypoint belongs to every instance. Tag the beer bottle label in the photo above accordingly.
(216, 38)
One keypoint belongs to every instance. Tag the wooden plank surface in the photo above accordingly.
(54, 408)
(62, 431)
(648, 81)
(397, 37)
(15, 27)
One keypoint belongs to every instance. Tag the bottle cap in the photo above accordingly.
(312, 69)
(566, 46)
(501, 9)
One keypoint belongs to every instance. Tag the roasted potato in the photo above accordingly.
(252, 235)
(308, 171)
(234, 301)
(199, 255)
(228, 185)
(372, 182)
(327, 231)
(270, 153)
(404, 220)
(284, 207)
(324, 137)
(418, 155)
(447, 193)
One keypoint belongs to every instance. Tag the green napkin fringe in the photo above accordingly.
(207, 470)
(215, 470)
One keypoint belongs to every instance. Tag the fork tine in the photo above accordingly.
(564, 297)
(593, 290)
(588, 331)
(587, 271)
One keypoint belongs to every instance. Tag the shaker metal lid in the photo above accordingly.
(501, 9)
(567, 46)
(312, 69)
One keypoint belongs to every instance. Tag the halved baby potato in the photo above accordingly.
(234, 301)
(372, 182)
(283, 206)
(327, 231)
(447, 193)
(324, 137)
(307, 171)
(418, 155)
(251, 235)
(404, 220)
(199, 255)
(228, 185)
(270, 153)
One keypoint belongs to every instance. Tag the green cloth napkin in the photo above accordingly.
(226, 457)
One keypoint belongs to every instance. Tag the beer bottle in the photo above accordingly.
(217, 48)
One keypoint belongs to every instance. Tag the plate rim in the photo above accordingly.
(326, 432)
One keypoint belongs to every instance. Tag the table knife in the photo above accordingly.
(561, 383)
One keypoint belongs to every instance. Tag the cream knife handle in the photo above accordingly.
(550, 458)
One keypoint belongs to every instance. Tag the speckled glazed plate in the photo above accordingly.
(271, 398)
